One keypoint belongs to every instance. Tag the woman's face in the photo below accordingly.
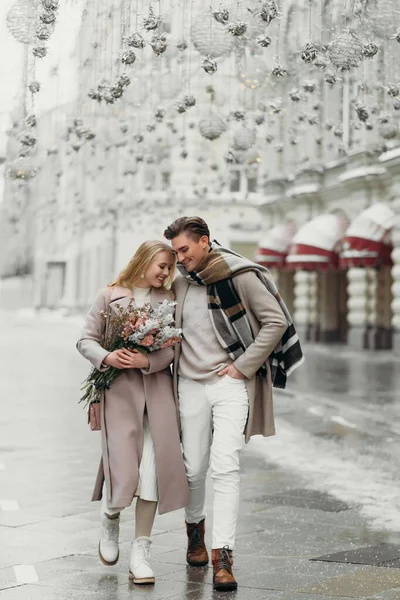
(159, 269)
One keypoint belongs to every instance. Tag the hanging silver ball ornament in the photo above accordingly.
(44, 32)
(259, 119)
(269, 138)
(128, 57)
(396, 36)
(138, 137)
(34, 87)
(294, 141)
(393, 90)
(48, 17)
(330, 77)
(238, 115)
(338, 131)
(189, 100)
(39, 51)
(123, 80)
(27, 139)
(309, 53)
(362, 112)
(151, 127)
(221, 14)
(31, 121)
(135, 40)
(159, 114)
(369, 126)
(268, 11)
(346, 51)
(182, 45)
(180, 107)
(95, 95)
(328, 125)
(210, 65)
(279, 148)
(211, 38)
(139, 157)
(279, 71)
(159, 43)
(237, 28)
(184, 154)
(244, 138)
(212, 127)
(51, 5)
(316, 106)
(151, 22)
(263, 40)
(388, 129)
(192, 125)
(370, 50)
(310, 86)
(396, 104)
(383, 17)
(90, 135)
(115, 92)
(313, 120)
(295, 95)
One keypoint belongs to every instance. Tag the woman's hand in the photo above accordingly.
(114, 359)
(133, 359)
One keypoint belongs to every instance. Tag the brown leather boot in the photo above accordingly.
(197, 555)
(223, 578)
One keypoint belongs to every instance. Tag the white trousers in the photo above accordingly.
(213, 417)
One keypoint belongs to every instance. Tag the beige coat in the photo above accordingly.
(122, 409)
(268, 323)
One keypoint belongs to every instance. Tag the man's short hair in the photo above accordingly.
(194, 227)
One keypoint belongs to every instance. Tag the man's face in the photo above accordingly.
(189, 252)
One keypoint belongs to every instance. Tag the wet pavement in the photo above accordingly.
(320, 508)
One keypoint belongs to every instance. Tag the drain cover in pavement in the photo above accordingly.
(384, 555)
(311, 499)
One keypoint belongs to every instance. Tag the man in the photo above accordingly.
(238, 341)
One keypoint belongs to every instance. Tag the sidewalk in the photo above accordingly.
(49, 528)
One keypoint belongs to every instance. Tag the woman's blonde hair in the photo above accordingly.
(140, 262)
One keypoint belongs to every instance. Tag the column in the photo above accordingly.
(358, 308)
(306, 305)
(396, 278)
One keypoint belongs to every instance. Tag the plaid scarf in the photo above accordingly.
(228, 315)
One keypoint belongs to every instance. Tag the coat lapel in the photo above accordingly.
(181, 291)
(120, 296)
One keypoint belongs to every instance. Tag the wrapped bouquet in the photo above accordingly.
(146, 329)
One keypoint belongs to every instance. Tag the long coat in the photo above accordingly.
(122, 409)
(268, 323)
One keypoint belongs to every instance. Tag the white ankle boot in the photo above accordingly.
(108, 545)
(139, 568)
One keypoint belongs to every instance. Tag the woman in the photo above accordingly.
(141, 453)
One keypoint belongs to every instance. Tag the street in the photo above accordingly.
(327, 483)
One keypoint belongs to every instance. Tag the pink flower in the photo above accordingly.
(141, 321)
(147, 341)
(171, 342)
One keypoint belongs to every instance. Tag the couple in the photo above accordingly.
(238, 341)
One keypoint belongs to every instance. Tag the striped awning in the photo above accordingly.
(315, 247)
(274, 246)
(367, 242)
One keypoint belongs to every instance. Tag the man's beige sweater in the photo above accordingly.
(202, 356)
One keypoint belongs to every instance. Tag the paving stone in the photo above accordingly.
(357, 585)
(370, 555)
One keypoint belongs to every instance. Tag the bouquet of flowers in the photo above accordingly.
(145, 329)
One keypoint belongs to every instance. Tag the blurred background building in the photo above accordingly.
(277, 122)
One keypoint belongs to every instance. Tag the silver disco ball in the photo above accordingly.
(21, 20)
(212, 127)
(210, 38)
(383, 17)
(244, 138)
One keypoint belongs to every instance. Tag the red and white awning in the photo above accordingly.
(367, 241)
(273, 248)
(315, 247)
